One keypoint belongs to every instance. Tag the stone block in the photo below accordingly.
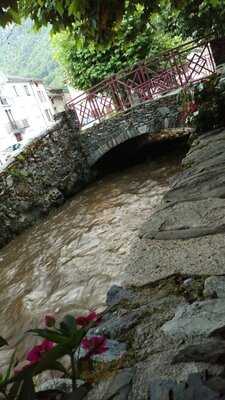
(115, 388)
(215, 286)
(117, 294)
(212, 349)
(143, 129)
(194, 388)
(198, 319)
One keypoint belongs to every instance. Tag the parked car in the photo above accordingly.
(10, 152)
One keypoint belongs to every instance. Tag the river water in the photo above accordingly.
(67, 262)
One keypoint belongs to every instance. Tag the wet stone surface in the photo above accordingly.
(215, 287)
(160, 360)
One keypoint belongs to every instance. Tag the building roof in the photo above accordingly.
(56, 92)
(21, 79)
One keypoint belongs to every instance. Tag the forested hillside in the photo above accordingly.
(27, 53)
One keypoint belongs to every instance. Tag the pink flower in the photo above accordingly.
(94, 345)
(46, 345)
(34, 355)
(85, 320)
(49, 320)
(36, 352)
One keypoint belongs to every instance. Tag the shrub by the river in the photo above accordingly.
(60, 342)
(209, 100)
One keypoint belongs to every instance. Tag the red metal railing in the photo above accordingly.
(148, 80)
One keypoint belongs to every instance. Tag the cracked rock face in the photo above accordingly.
(186, 234)
(215, 286)
(198, 319)
(116, 388)
(186, 220)
(212, 349)
(196, 387)
(154, 356)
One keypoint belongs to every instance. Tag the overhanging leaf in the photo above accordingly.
(8, 372)
(54, 336)
(68, 325)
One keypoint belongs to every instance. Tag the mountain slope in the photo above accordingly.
(27, 53)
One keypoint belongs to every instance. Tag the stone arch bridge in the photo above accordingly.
(150, 118)
(142, 100)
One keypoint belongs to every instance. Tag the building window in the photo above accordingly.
(27, 90)
(25, 123)
(3, 101)
(41, 96)
(11, 118)
(48, 115)
(15, 90)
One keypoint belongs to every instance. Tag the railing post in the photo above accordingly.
(77, 120)
(181, 65)
(213, 62)
(142, 72)
(95, 110)
(175, 65)
(112, 85)
(71, 117)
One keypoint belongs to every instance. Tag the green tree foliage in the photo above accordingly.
(27, 53)
(99, 19)
(201, 18)
(87, 64)
(9, 12)
(96, 19)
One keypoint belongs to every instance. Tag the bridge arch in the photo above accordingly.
(148, 118)
(111, 144)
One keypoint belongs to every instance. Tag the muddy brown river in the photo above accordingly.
(67, 262)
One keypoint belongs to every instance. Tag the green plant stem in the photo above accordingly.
(74, 385)
(5, 395)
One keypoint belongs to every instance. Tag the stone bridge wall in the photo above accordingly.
(50, 169)
(146, 118)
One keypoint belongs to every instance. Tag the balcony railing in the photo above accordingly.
(18, 125)
(22, 124)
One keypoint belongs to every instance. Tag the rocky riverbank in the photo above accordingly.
(171, 311)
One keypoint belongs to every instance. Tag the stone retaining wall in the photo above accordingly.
(52, 168)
